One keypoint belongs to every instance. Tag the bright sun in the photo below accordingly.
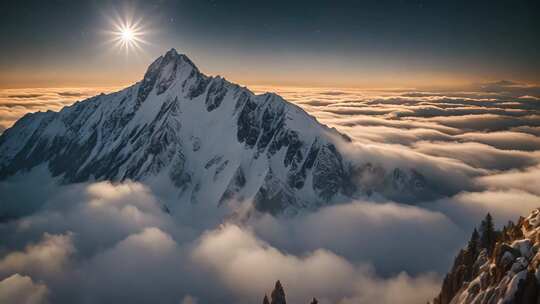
(127, 35)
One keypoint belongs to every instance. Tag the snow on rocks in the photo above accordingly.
(511, 274)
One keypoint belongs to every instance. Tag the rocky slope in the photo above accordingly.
(212, 139)
(497, 266)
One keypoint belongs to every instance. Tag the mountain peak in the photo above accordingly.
(164, 71)
(171, 56)
(171, 51)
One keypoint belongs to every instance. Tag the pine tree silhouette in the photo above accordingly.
(488, 234)
(265, 300)
(314, 301)
(470, 255)
(278, 294)
(472, 247)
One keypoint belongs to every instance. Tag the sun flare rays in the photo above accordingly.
(127, 34)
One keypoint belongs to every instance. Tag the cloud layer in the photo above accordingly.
(103, 242)
(14, 103)
(108, 242)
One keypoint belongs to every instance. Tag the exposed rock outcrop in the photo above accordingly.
(497, 266)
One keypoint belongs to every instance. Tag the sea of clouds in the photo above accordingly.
(114, 243)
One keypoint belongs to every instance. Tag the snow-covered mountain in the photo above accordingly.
(507, 270)
(213, 139)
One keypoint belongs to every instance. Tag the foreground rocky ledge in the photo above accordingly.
(498, 266)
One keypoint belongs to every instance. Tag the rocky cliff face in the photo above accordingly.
(505, 270)
(212, 139)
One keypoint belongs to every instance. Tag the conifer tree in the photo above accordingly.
(471, 254)
(488, 234)
(278, 294)
(472, 247)
(265, 300)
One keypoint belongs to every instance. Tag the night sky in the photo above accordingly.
(306, 43)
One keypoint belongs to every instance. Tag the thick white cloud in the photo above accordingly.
(479, 155)
(22, 290)
(139, 257)
(505, 140)
(143, 267)
(390, 135)
(469, 208)
(47, 258)
(247, 265)
(526, 180)
(388, 235)
(399, 289)
(448, 175)
(485, 122)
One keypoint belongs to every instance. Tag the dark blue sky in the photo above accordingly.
(329, 43)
